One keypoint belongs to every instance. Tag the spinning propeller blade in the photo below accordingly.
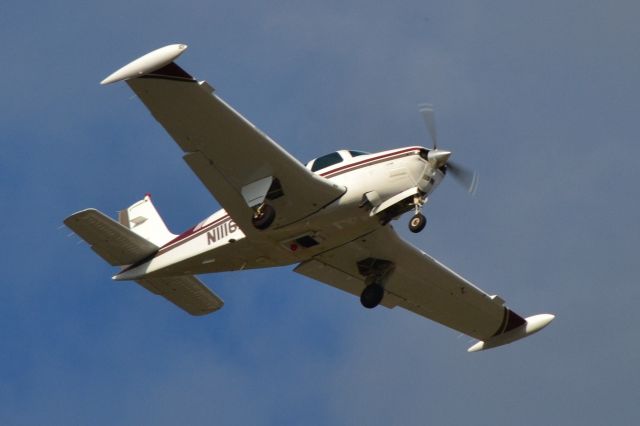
(467, 178)
(427, 113)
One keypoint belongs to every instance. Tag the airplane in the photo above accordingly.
(331, 216)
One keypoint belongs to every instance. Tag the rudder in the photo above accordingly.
(143, 219)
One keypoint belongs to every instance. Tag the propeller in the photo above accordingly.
(427, 113)
(466, 177)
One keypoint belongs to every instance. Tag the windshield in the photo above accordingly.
(326, 161)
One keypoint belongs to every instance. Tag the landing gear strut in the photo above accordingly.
(263, 216)
(372, 296)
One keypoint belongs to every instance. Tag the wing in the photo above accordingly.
(238, 163)
(415, 281)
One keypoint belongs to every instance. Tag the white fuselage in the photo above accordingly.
(217, 244)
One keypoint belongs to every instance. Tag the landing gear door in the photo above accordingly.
(255, 193)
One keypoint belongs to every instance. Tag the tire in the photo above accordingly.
(417, 223)
(264, 218)
(372, 296)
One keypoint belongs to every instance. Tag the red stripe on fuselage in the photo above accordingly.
(189, 234)
(367, 162)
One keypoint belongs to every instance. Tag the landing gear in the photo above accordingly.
(417, 223)
(263, 216)
(372, 296)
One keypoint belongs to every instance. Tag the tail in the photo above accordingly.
(109, 239)
(143, 219)
(137, 238)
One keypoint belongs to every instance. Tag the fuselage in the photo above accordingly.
(217, 244)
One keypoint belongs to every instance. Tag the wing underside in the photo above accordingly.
(228, 153)
(416, 282)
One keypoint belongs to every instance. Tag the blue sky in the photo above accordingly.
(541, 98)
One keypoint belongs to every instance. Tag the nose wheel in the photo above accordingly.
(417, 223)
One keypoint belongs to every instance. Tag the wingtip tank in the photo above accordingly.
(147, 63)
(533, 325)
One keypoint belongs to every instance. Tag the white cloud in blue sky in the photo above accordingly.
(540, 97)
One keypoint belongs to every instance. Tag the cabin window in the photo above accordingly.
(326, 161)
(357, 153)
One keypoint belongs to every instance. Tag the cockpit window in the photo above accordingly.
(326, 161)
(356, 153)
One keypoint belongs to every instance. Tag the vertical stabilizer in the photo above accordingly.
(143, 219)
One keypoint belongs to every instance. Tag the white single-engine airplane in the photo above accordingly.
(330, 217)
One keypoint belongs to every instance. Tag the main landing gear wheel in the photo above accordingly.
(417, 223)
(372, 296)
(263, 217)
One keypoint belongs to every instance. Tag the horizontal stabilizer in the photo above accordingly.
(532, 325)
(186, 292)
(112, 241)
